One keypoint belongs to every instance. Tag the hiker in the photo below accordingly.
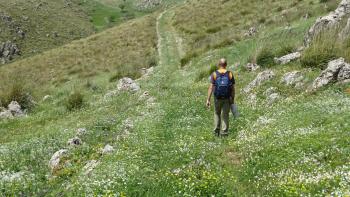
(222, 84)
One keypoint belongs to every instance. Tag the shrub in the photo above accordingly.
(265, 57)
(185, 60)
(324, 48)
(206, 73)
(75, 101)
(17, 92)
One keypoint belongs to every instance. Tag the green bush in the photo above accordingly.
(206, 72)
(324, 48)
(75, 101)
(265, 57)
(17, 92)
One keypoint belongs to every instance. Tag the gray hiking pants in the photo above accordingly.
(221, 116)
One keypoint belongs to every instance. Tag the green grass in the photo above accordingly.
(170, 151)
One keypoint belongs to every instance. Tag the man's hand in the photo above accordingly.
(208, 103)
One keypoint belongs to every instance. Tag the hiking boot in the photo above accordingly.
(217, 133)
(224, 134)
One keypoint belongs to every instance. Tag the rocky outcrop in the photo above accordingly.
(272, 98)
(56, 158)
(127, 84)
(326, 22)
(13, 110)
(252, 66)
(292, 78)
(337, 71)
(262, 77)
(288, 58)
(8, 50)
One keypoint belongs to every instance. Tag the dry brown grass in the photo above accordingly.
(131, 45)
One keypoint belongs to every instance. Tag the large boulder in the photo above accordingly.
(292, 78)
(262, 77)
(337, 71)
(127, 84)
(327, 22)
(15, 109)
(288, 58)
(56, 158)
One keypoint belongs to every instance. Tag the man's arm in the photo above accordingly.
(233, 94)
(210, 92)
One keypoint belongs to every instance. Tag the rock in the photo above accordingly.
(252, 99)
(272, 98)
(337, 71)
(47, 97)
(147, 71)
(128, 124)
(327, 22)
(87, 169)
(127, 84)
(262, 77)
(56, 158)
(287, 58)
(344, 73)
(74, 142)
(81, 131)
(144, 96)
(270, 91)
(8, 50)
(251, 32)
(107, 149)
(147, 4)
(252, 66)
(6, 114)
(345, 33)
(292, 78)
(15, 109)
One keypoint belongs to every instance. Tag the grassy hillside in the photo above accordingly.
(219, 24)
(45, 24)
(117, 52)
(163, 144)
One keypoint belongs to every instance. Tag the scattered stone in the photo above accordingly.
(15, 109)
(327, 22)
(292, 78)
(251, 32)
(8, 50)
(337, 71)
(288, 58)
(107, 149)
(147, 71)
(74, 142)
(262, 77)
(6, 114)
(147, 4)
(145, 95)
(56, 158)
(128, 124)
(91, 165)
(252, 66)
(47, 97)
(270, 91)
(127, 84)
(272, 98)
(81, 131)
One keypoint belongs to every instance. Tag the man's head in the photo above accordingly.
(223, 63)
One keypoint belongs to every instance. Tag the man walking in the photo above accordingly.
(223, 86)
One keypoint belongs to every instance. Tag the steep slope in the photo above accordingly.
(117, 52)
(163, 145)
(36, 26)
